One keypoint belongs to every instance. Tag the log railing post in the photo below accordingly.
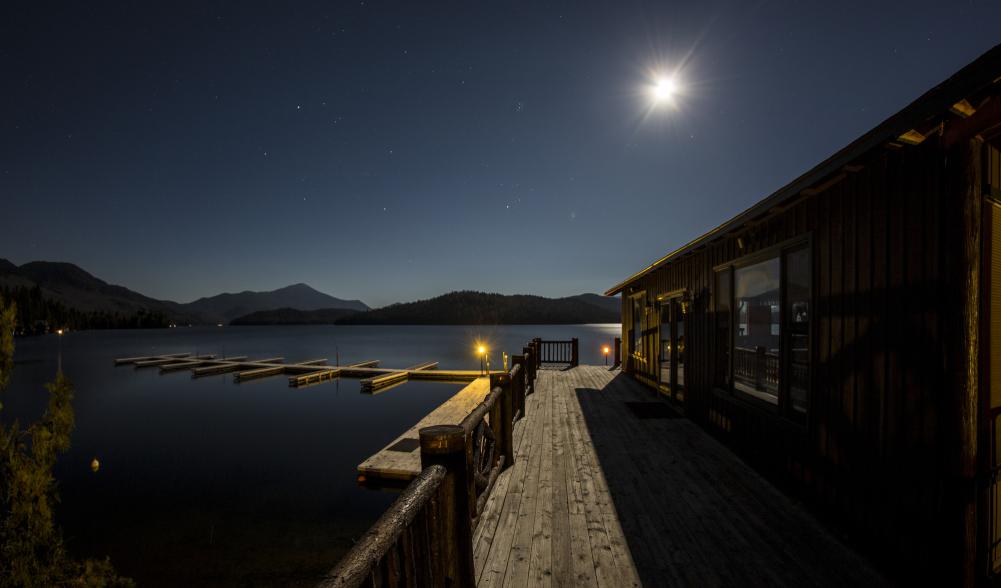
(529, 369)
(574, 352)
(505, 440)
(519, 383)
(446, 445)
(537, 348)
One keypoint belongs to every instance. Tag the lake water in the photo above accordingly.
(208, 482)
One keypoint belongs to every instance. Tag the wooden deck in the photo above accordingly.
(601, 497)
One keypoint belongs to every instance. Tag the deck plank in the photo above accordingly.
(561, 548)
(541, 560)
(521, 545)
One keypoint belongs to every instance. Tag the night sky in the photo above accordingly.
(394, 152)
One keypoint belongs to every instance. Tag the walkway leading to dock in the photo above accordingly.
(599, 496)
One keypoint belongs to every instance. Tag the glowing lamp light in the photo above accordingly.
(481, 350)
(60, 331)
(95, 465)
(605, 350)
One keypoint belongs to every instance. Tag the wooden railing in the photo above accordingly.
(557, 352)
(426, 536)
(756, 366)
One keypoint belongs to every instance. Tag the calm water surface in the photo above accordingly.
(207, 482)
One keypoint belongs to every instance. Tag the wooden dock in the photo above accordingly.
(610, 488)
(401, 459)
(302, 373)
(385, 381)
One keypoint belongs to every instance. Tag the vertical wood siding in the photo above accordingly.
(872, 452)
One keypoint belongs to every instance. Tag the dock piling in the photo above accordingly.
(446, 445)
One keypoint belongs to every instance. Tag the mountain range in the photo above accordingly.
(74, 288)
(297, 296)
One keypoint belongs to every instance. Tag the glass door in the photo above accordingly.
(991, 364)
(666, 374)
(671, 357)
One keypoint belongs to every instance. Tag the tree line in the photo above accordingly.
(37, 314)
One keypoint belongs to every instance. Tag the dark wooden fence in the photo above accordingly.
(426, 536)
(557, 352)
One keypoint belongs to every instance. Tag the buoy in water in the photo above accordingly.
(95, 465)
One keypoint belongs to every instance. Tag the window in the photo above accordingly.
(762, 328)
(757, 340)
(638, 326)
(680, 310)
(665, 343)
(672, 346)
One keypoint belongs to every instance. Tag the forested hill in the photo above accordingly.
(292, 316)
(479, 308)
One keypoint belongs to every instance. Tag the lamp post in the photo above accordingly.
(604, 351)
(482, 350)
(59, 360)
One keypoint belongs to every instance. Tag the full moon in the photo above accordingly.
(664, 89)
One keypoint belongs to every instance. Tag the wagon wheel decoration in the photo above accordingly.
(483, 454)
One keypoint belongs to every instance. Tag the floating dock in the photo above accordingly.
(302, 373)
(383, 382)
(400, 461)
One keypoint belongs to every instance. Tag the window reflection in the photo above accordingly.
(637, 327)
(757, 333)
(665, 344)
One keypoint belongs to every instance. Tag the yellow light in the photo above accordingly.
(481, 350)
(60, 331)
(605, 350)
(95, 465)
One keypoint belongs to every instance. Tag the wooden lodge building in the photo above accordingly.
(844, 334)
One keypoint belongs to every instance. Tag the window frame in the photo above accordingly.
(638, 322)
(676, 301)
(783, 406)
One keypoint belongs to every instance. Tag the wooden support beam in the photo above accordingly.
(963, 109)
(912, 137)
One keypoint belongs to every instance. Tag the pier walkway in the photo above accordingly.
(609, 490)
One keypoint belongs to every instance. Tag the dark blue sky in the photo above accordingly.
(393, 152)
